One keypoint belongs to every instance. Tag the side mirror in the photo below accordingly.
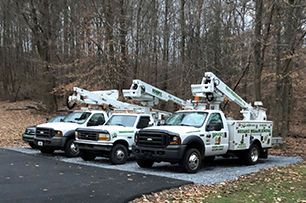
(150, 124)
(47, 119)
(61, 120)
(214, 127)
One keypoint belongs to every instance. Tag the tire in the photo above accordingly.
(143, 163)
(71, 150)
(118, 154)
(45, 150)
(252, 155)
(87, 156)
(32, 145)
(192, 160)
(209, 159)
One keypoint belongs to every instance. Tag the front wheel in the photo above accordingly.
(46, 150)
(32, 145)
(119, 154)
(71, 150)
(192, 160)
(145, 163)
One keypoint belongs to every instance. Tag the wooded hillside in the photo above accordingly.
(49, 46)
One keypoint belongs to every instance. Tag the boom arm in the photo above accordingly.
(214, 90)
(108, 97)
(149, 95)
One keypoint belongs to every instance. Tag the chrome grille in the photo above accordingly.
(88, 135)
(44, 132)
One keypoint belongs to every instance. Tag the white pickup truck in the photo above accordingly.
(114, 139)
(61, 136)
(190, 136)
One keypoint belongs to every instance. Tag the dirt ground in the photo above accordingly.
(15, 117)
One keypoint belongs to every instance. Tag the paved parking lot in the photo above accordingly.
(35, 178)
(218, 171)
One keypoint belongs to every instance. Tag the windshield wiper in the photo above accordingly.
(183, 124)
(119, 124)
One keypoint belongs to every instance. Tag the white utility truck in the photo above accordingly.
(61, 136)
(190, 136)
(116, 137)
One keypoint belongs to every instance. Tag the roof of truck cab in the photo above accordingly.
(133, 114)
(195, 110)
(90, 110)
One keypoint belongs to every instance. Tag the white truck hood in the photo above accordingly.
(176, 129)
(114, 129)
(64, 127)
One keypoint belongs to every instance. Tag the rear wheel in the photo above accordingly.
(119, 154)
(71, 150)
(145, 163)
(252, 155)
(192, 160)
(87, 156)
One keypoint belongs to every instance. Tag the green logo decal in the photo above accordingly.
(217, 148)
(126, 131)
(157, 92)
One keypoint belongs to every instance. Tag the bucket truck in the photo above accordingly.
(191, 136)
(61, 136)
(115, 139)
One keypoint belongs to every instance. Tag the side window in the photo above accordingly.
(214, 122)
(143, 122)
(96, 119)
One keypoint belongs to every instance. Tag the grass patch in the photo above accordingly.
(287, 184)
(284, 185)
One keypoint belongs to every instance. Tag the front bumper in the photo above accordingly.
(171, 153)
(94, 145)
(28, 138)
(54, 142)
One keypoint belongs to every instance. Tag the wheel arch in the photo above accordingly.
(123, 142)
(256, 142)
(194, 141)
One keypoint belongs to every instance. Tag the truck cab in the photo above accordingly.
(190, 136)
(114, 139)
(61, 135)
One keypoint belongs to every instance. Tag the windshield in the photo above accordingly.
(77, 117)
(122, 120)
(56, 119)
(195, 119)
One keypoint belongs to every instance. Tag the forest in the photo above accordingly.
(257, 46)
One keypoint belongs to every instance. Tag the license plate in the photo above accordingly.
(40, 143)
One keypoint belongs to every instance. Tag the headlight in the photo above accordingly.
(58, 133)
(76, 133)
(136, 138)
(30, 131)
(175, 140)
(104, 137)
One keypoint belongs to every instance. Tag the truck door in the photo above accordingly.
(216, 138)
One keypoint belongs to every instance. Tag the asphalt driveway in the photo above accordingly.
(28, 178)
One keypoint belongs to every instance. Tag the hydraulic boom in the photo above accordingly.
(214, 90)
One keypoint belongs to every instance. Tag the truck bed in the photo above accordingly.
(242, 133)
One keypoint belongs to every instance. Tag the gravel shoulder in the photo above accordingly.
(220, 170)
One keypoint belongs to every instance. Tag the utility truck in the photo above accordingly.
(191, 136)
(61, 136)
(115, 139)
